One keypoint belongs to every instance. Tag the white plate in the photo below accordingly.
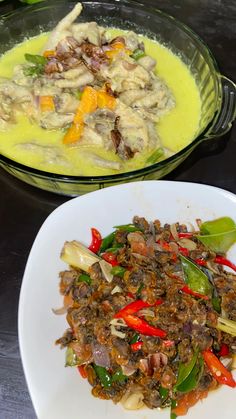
(58, 392)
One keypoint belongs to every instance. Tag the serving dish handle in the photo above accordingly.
(227, 114)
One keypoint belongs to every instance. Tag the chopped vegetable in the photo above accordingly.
(138, 53)
(36, 59)
(84, 278)
(142, 326)
(71, 358)
(134, 307)
(103, 375)
(118, 270)
(96, 240)
(155, 156)
(218, 235)
(87, 105)
(196, 280)
(119, 376)
(185, 370)
(136, 346)
(77, 255)
(189, 291)
(223, 261)
(227, 326)
(46, 103)
(110, 258)
(82, 371)
(218, 370)
(128, 227)
(107, 242)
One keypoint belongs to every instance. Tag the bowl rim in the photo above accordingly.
(4, 160)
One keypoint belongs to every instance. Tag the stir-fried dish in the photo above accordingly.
(152, 312)
(98, 91)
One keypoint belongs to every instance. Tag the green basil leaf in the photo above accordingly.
(218, 235)
(107, 242)
(219, 225)
(219, 243)
(195, 278)
(185, 370)
(191, 382)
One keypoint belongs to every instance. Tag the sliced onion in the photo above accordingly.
(118, 322)
(116, 290)
(101, 355)
(117, 333)
(174, 247)
(127, 370)
(106, 270)
(189, 244)
(174, 232)
(59, 311)
(146, 312)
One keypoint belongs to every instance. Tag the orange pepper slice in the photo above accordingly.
(46, 103)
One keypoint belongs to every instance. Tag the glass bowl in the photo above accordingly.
(218, 94)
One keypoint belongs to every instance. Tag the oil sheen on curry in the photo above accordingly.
(87, 100)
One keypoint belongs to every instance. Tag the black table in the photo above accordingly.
(24, 208)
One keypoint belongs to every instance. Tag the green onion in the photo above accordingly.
(107, 242)
(155, 156)
(138, 53)
(135, 338)
(127, 227)
(119, 377)
(36, 59)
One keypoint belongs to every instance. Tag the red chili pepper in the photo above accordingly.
(201, 262)
(110, 258)
(218, 370)
(141, 326)
(223, 261)
(136, 346)
(224, 350)
(168, 343)
(82, 371)
(185, 235)
(135, 306)
(165, 245)
(184, 251)
(96, 240)
(188, 290)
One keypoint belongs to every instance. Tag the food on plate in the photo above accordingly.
(152, 312)
(91, 100)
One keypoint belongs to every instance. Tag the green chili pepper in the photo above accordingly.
(118, 376)
(135, 338)
(191, 382)
(128, 227)
(138, 53)
(218, 235)
(71, 358)
(195, 278)
(84, 278)
(118, 270)
(155, 156)
(103, 375)
(114, 248)
(107, 242)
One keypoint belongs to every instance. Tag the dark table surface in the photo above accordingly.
(24, 208)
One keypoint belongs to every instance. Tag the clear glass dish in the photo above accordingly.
(218, 93)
